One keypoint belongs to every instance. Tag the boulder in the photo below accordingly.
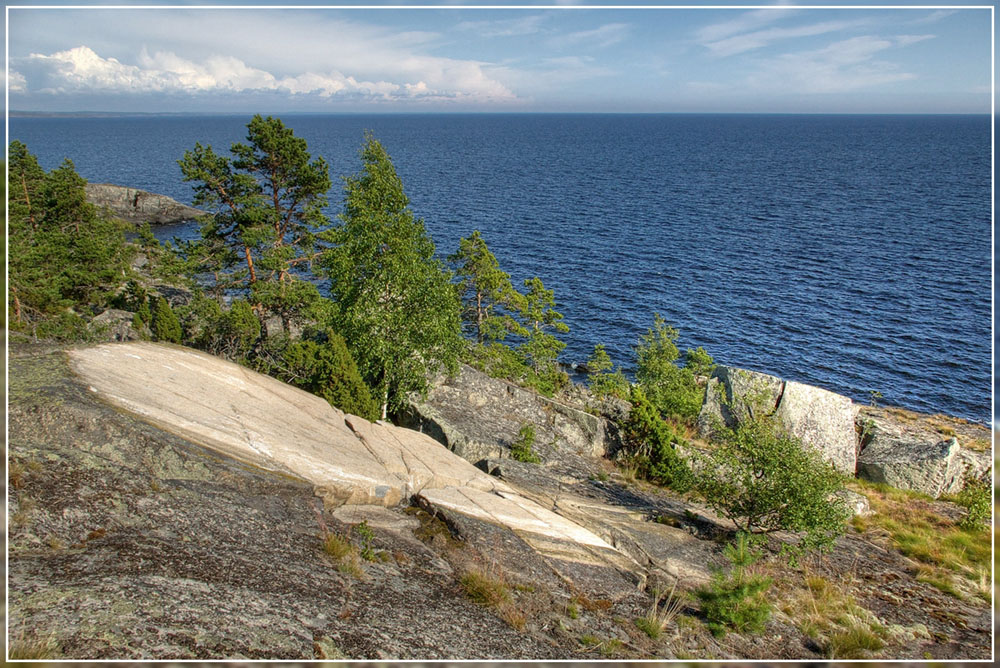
(822, 419)
(115, 325)
(478, 417)
(910, 457)
(139, 206)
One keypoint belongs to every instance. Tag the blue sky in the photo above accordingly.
(781, 59)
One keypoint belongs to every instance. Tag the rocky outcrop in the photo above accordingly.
(822, 419)
(162, 505)
(139, 206)
(478, 417)
(274, 426)
(911, 456)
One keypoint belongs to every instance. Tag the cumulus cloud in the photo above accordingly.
(82, 70)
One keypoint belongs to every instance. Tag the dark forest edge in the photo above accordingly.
(392, 316)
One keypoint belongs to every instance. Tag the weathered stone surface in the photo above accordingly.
(478, 417)
(139, 206)
(131, 543)
(909, 456)
(272, 425)
(822, 419)
(115, 325)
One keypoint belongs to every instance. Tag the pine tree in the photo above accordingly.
(603, 378)
(269, 201)
(66, 260)
(541, 348)
(486, 289)
(394, 302)
(166, 326)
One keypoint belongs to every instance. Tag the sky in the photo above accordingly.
(778, 59)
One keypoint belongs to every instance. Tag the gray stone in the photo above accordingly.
(908, 457)
(822, 419)
(478, 417)
(138, 206)
(115, 325)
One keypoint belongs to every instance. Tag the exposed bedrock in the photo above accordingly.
(138, 206)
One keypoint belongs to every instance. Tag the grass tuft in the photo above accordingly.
(24, 648)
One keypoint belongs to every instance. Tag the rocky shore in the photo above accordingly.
(166, 504)
(138, 206)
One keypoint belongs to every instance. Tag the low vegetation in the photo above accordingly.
(838, 625)
(489, 588)
(522, 449)
(664, 610)
(766, 481)
(951, 558)
(736, 600)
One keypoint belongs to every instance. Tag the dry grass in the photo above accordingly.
(488, 587)
(660, 617)
(946, 552)
(826, 613)
(344, 554)
(25, 648)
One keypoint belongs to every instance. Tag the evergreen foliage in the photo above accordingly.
(766, 481)
(540, 348)
(488, 296)
(604, 379)
(736, 600)
(522, 447)
(269, 200)
(65, 260)
(165, 325)
(394, 302)
(672, 389)
(650, 442)
(324, 367)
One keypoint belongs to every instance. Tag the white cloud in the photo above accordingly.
(843, 66)
(304, 53)
(525, 25)
(744, 22)
(600, 37)
(761, 38)
(81, 70)
(934, 16)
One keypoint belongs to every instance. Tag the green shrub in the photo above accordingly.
(699, 362)
(326, 368)
(604, 379)
(977, 498)
(650, 441)
(736, 600)
(765, 481)
(240, 329)
(672, 389)
(521, 448)
(166, 326)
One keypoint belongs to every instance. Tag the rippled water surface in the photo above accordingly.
(849, 252)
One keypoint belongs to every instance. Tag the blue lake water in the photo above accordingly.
(848, 252)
